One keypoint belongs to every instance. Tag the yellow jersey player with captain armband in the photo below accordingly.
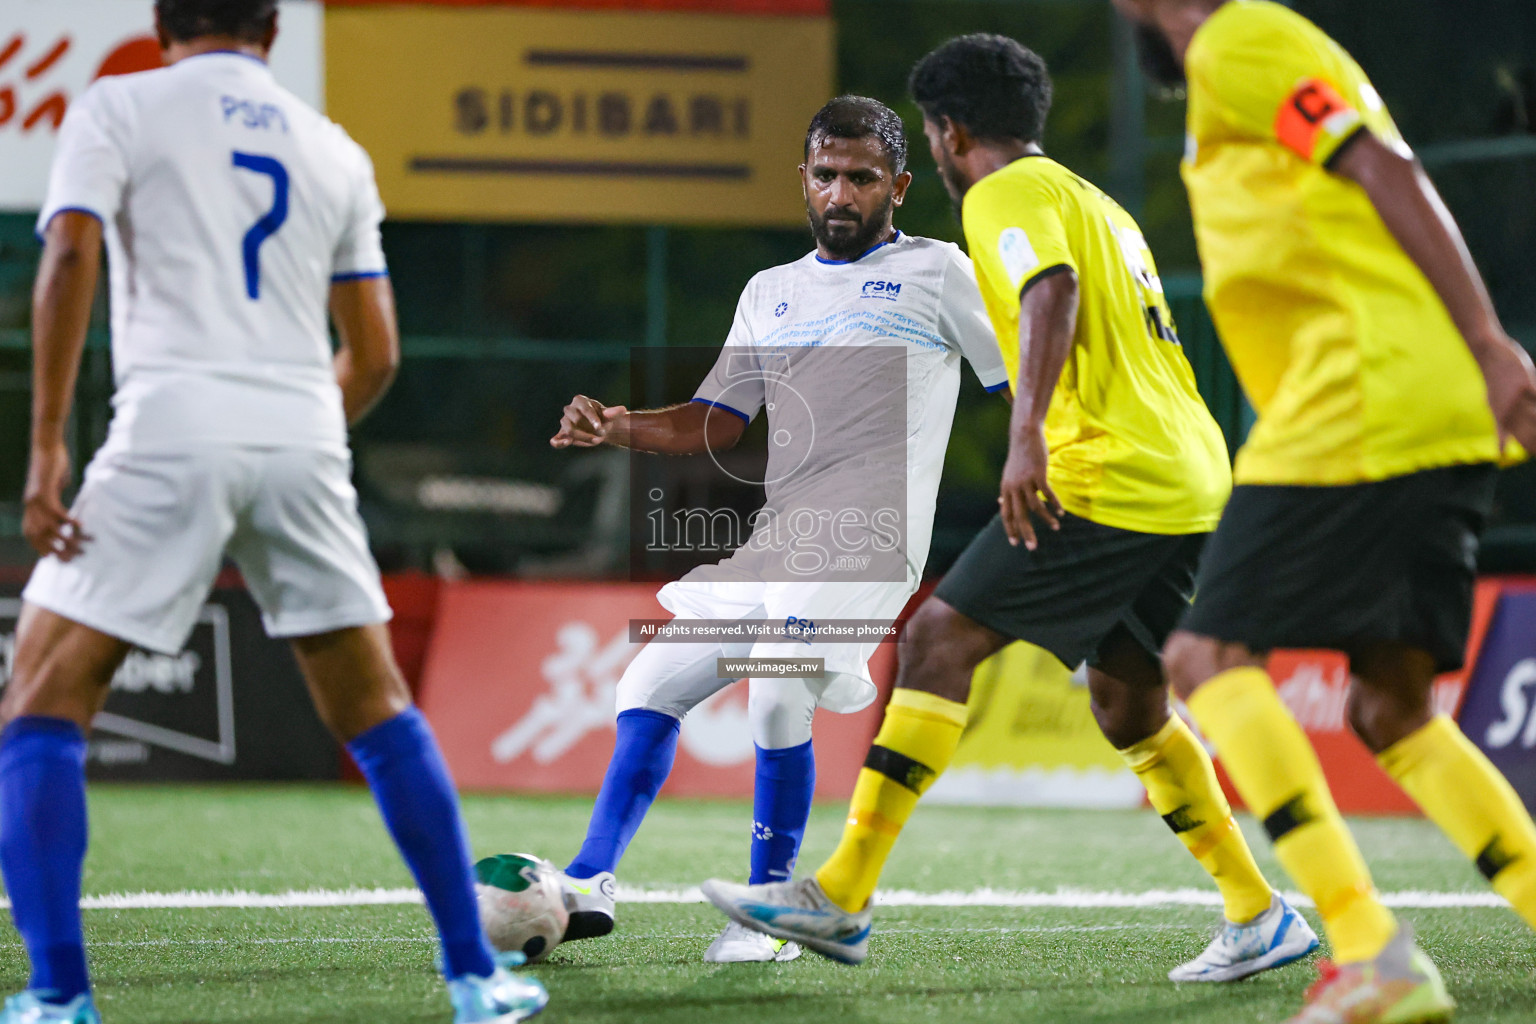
(1383, 381)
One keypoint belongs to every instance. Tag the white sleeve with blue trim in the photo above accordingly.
(964, 323)
(360, 250)
(735, 384)
(90, 165)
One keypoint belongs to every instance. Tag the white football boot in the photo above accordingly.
(738, 944)
(589, 903)
(1273, 939)
(798, 911)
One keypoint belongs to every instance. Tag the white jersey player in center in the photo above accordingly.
(233, 215)
(854, 353)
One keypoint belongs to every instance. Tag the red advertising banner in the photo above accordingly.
(413, 598)
(519, 684)
(51, 52)
(784, 7)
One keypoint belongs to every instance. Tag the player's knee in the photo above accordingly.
(59, 669)
(1381, 718)
(643, 695)
(1364, 712)
(1110, 718)
(780, 713)
(644, 687)
(941, 650)
(353, 678)
(1189, 660)
(1127, 715)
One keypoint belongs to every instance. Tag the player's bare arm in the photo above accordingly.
(1047, 324)
(1412, 210)
(363, 311)
(61, 313)
(688, 429)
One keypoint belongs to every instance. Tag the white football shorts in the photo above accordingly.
(160, 524)
(848, 684)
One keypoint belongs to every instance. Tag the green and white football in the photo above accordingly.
(520, 904)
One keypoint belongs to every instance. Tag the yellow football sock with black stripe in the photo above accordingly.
(1181, 783)
(916, 742)
(1278, 774)
(1475, 806)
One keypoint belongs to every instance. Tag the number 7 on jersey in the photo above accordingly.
(270, 221)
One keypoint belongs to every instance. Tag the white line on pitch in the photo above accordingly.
(371, 940)
(1080, 899)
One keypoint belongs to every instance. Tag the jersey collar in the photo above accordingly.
(227, 53)
(866, 252)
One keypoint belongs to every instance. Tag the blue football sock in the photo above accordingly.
(781, 803)
(404, 768)
(642, 760)
(42, 847)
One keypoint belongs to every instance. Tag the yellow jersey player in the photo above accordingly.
(1114, 455)
(1362, 333)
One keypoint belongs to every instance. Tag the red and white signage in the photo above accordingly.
(52, 50)
(520, 679)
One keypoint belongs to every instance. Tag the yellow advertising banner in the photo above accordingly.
(534, 114)
(1031, 741)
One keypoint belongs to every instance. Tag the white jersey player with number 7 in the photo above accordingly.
(233, 216)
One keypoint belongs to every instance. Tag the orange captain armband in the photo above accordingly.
(1315, 113)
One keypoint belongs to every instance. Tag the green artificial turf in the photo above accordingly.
(944, 964)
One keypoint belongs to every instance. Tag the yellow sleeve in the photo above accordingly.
(1016, 235)
(1264, 76)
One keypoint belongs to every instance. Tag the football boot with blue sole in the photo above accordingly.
(30, 1008)
(1277, 937)
(501, 998)
(797, 911)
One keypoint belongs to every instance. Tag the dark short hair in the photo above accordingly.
(996, 87)
(189, 19)
(859, 117)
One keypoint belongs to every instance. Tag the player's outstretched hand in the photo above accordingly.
(1511, 382)
(586, 423)
(45, 522)
(1025, 492)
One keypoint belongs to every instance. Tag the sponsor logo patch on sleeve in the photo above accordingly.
(1017, 254)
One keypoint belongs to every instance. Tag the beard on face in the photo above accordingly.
(1158, 61)
(956, 186)
(845, 239)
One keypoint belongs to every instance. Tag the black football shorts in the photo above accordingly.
(1342, 567)
(1069, 594)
